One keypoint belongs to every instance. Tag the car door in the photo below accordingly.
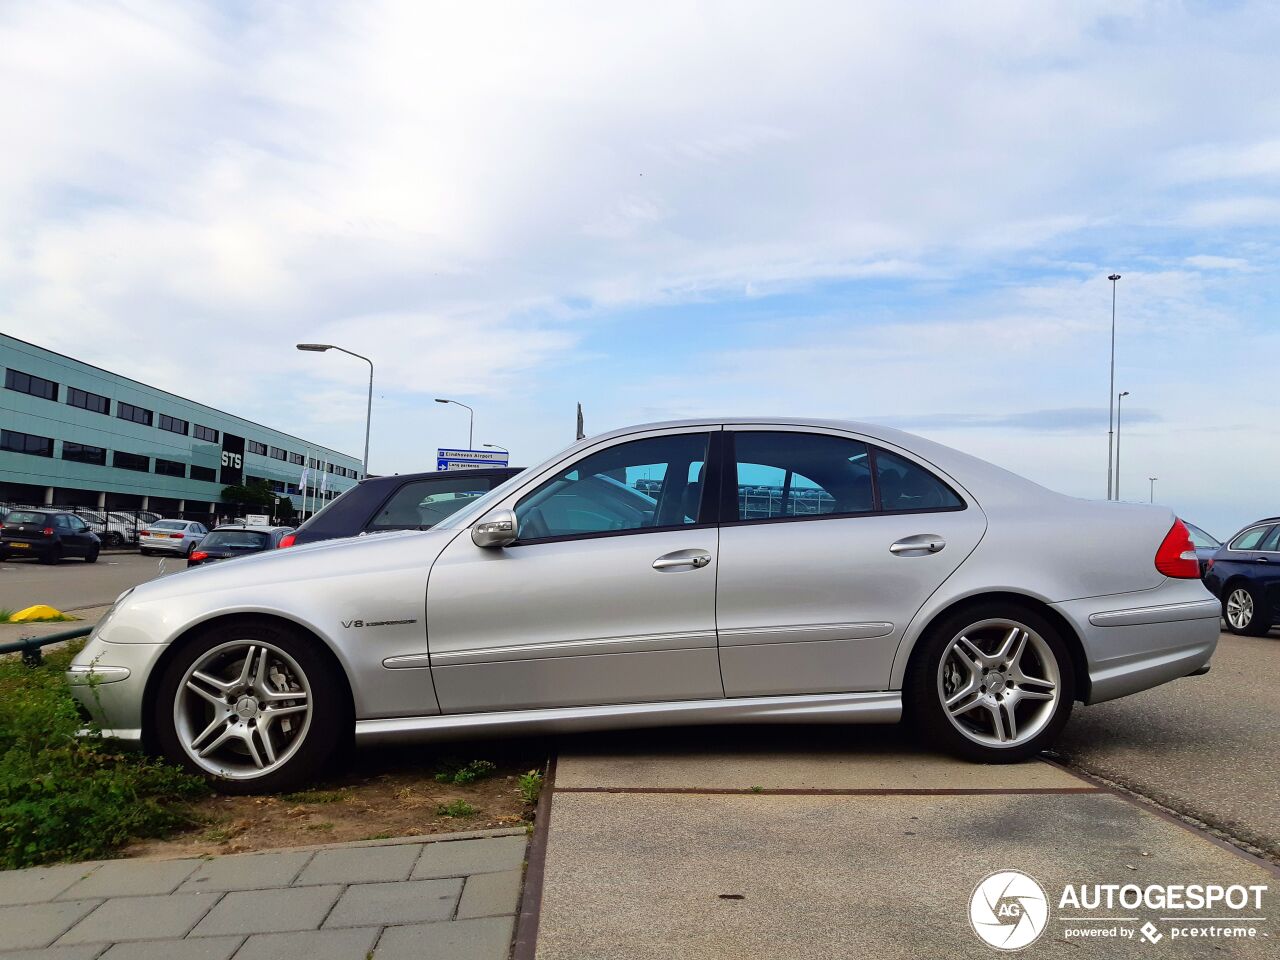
(829, 545)
(1267, 571)
(608, 595)
(83, 535)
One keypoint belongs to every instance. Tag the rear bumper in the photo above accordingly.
(1137, 641)
(11, 549)
(168, 546)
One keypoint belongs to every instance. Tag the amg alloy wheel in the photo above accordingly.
(254, 707)
(995, 685)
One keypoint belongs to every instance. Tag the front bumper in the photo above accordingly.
(109, 681)
(1136, 641)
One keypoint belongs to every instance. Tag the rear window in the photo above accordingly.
(26, 516)
(424, 503)
(169, 525)
(236, 540)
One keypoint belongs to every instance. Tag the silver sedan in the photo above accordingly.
(689, 572)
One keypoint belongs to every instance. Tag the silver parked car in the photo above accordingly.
(642, 578)
(171, 536)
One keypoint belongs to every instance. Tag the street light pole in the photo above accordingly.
(368, 410)
(471, 430)
(1111, 409)
(1153, 489)
(495, 446)
(1119, 397)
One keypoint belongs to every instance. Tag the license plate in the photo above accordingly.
(21, 546)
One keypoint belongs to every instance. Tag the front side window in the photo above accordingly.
(652, 484)
(786, 474)
(1250, 539)
(907, 486)
(1271, 542)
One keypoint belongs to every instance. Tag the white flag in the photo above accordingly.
(324, 483)
(302, 480)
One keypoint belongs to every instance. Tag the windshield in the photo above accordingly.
(475, 508)
(235, 540)
(1201, 539)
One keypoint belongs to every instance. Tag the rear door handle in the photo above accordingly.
(697, 559)
(922, 544)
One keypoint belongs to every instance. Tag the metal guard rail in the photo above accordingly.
(29, 647)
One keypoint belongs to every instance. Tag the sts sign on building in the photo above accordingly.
(469, 459)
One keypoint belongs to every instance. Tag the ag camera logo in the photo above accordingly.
(1008, 910)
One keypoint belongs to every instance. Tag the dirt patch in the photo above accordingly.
(384, 793)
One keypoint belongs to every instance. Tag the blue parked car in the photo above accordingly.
(1245, 575)
(1207, 545)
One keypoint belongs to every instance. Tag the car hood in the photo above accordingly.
(383, 551)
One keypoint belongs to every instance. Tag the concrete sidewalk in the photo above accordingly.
(728, 844)
(447, 897)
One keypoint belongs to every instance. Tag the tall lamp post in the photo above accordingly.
(496, 446)
(1119, 397)
(1153, 489)
(471, 431)
(368, 410)
(1111, 409)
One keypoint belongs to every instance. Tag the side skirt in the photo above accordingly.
(874, 707)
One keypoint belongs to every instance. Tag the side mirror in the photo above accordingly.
(498, 529)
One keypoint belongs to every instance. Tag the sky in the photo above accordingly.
(902, 213)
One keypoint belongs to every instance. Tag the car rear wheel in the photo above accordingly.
(54, 555)
(1244, 611)
(114, 539)
(994, 684)
(253, 707)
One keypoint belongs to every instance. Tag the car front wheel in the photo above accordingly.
(994, 684)
(252, 706)
(1244, 612)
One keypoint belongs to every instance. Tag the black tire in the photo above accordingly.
(923, 698)
(145, 552)
(54, 556)
(91, 556)
(332, 725)
(114, 539)
(1259, 619)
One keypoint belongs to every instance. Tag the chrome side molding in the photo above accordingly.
(870, 707)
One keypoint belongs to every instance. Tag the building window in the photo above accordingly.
(313, 463)
(277, 453)
(83, 453)
(171, 468)
(26, 383)
(297, 458)
(204, 473)
(173, 425)
(131, 461)
(127, 411)
(26, 443)
(204, 433)
(253, 446)
(88, 401)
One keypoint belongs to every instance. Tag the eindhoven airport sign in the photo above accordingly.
(469, 459)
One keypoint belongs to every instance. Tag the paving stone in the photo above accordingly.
(200, 948)
(490, 894)
(141, 918)
(458, 858)
(408, 901)
(85, 951)
(349, 944)
(249, 871)
(361, 865)
(487, 939)
(39, 884)
(268, 911)
(132, 878)
(39, 924)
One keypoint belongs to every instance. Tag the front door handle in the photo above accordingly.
(697, 559)
(921, 545)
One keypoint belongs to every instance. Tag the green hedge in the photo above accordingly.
(68, 798)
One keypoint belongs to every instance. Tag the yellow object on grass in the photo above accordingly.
(41, 611)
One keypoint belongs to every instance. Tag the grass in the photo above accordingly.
(316, 796)
(7, 615)
(461, 774)
(459, 808)
(64, 797)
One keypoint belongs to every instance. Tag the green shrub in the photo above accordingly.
(468, 773)
(68, 798)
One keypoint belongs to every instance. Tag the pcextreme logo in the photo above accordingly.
(1008, 910)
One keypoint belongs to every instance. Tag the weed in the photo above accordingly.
(530, 786)
(382, 835)
(315, 796)
(757, 789)
(64, 797)
(466, 773)
(459, 808)
(319, 826)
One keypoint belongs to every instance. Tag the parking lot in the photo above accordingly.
(73, 584)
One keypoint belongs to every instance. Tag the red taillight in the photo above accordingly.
(47, 531)
(146, 533)
(286, 541)
(1177, 554)
(199, 555)
(175, 536)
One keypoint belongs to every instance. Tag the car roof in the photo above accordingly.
(428, 474)
(257, 527)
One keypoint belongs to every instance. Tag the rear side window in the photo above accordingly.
(424, 503)
(908, 486)
(1271, 542)
(1250, 539)
(787, 474)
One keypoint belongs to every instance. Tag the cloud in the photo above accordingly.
(1068, 419)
